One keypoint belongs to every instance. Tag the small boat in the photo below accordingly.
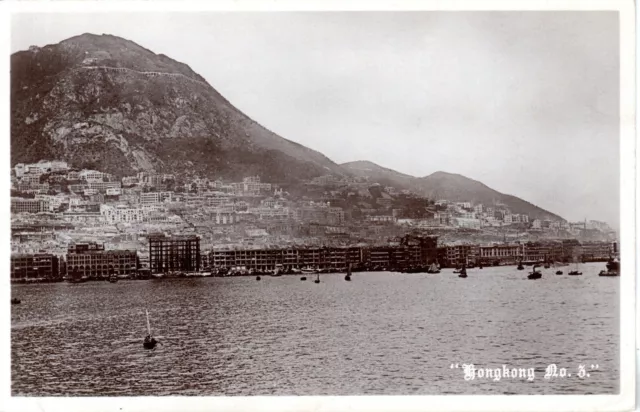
(303, 278)
(149, 340)
(613, 268)
(317, 279)
(535, 274)
(559, 272)
(15, 301)
(113, 279)
(433, 268)
(480, 266)
(457, 271)
(258, 277)
(463, 273)
(348, 276)
(309, 270)
(575, 272)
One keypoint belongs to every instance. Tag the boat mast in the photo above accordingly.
(148, 324)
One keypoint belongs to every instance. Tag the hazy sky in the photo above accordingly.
(525, 102)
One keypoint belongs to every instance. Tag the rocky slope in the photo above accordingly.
(107, 103)
(442, 185)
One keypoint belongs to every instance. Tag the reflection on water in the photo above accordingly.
(382, 333)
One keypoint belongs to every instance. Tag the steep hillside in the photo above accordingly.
(105, 102)
(441, 185)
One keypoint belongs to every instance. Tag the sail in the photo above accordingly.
(148, 324)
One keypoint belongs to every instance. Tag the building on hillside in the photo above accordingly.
(20, 205)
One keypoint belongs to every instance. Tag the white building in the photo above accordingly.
(154, 197)
(91, 175)
(121, 214)
(536, 224)
(114, 191)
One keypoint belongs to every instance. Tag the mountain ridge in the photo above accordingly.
(104, 102)
(100, 93)
(451, 186)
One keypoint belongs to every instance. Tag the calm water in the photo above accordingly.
(382, 333)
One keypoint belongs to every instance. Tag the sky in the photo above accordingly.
(525, 102)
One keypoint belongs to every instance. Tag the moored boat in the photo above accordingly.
(536, 274)
(15, 301)
(433, 268)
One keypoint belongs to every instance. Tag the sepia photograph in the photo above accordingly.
(281, 204)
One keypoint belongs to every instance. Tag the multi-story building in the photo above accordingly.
(121, 214)
(104, 186)
(538, 252)
(174, 253)
(458, 255)
(502, 253)
(596, 251)
(34, 266)
(91, 260)
(154, 197)
(20, 205)
(91, 175)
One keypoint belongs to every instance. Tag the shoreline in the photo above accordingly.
(364, 270)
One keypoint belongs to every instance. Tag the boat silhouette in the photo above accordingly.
(149, 340)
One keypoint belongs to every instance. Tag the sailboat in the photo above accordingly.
(149, 341)
(575, 272)
(433, 268)
(348, 276)
(317, 279)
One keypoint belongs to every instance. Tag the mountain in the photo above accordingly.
(100, 101)
(442, 185)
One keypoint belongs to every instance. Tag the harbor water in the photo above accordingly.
(382, 333)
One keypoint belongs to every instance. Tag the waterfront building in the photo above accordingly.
(502, 253)
(538, 252)
(596, 251)
(174, 253)
(458, 255)
(34, 266)
(90, 259)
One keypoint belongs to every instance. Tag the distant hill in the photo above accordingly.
(103, 102)
(442, 185)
